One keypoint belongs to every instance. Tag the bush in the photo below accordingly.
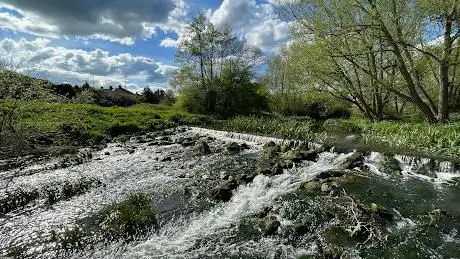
(316, 105)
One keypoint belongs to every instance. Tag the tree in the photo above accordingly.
(384, 41)
(204, 55)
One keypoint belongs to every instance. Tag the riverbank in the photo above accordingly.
(47, 129)
(57, 128)
(416, 139)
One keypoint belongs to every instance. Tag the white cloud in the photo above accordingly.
(115, 21)
(60, 64)
(169, 43)
(257, 23)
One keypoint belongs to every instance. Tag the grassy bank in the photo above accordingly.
(394, 137)
(68, 124)
(43, 126)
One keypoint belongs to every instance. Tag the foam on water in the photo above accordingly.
(247, 200)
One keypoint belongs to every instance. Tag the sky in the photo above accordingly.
(113, 41)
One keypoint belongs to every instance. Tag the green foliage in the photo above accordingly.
(316, 105)
(128, 218)
(291, 129)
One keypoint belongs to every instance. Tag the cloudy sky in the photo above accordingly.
(112, 40)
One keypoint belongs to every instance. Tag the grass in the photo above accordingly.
(437, 141)
(48, 124)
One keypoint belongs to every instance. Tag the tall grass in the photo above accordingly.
(409, 138)
(291, 129)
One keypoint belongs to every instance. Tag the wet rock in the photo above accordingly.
(381, 212)
(166, 159)
(187, 142)
(107, 153)
(245, 146)
(288, 164)
(355, 160)
(223, 192)
(311, 155)
(263, 213)
(234, 148)
(303, 226)
(312, 186)
(269, 225)
(201, 148)
(271, 149)
(389, 165)
(270, 171)
(330, 174)
(293, 155)
(154, 143)
(428, 169)
(325, 187)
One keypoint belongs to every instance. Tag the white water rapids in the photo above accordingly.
(202, 234)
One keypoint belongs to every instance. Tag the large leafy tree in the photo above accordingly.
(381, 44)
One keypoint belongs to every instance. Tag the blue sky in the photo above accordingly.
(73, 41)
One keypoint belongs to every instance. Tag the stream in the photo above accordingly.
(385, 207)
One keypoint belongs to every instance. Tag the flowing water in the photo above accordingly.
(424, 198)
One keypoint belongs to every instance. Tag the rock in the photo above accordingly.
(187, 142)
(245, 146)
(288, 164)
(166, 159)
(131, 151)
(285, 148)
(274, 170)
(389, 165)
(293, 155)
(312, 186)
(201, 148)
(107, 153)
(325, 187)
(311, 155)
(234, 148)
(271, 149)
(269, 225)
(382, 212)
(263, 213)
(223, 192)
(303, 226)
(165, 138)
(330, 174)
(354, 160)
(153, 143)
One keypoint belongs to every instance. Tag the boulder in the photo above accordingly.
(201, 148)
(312, 186)
(330, 174)
(223, 192)
(166, 159)
(270, 171)
(269, 225)
(355, 160)
(234, 148)
(271, 149)
(311, 155)
(389, 165)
